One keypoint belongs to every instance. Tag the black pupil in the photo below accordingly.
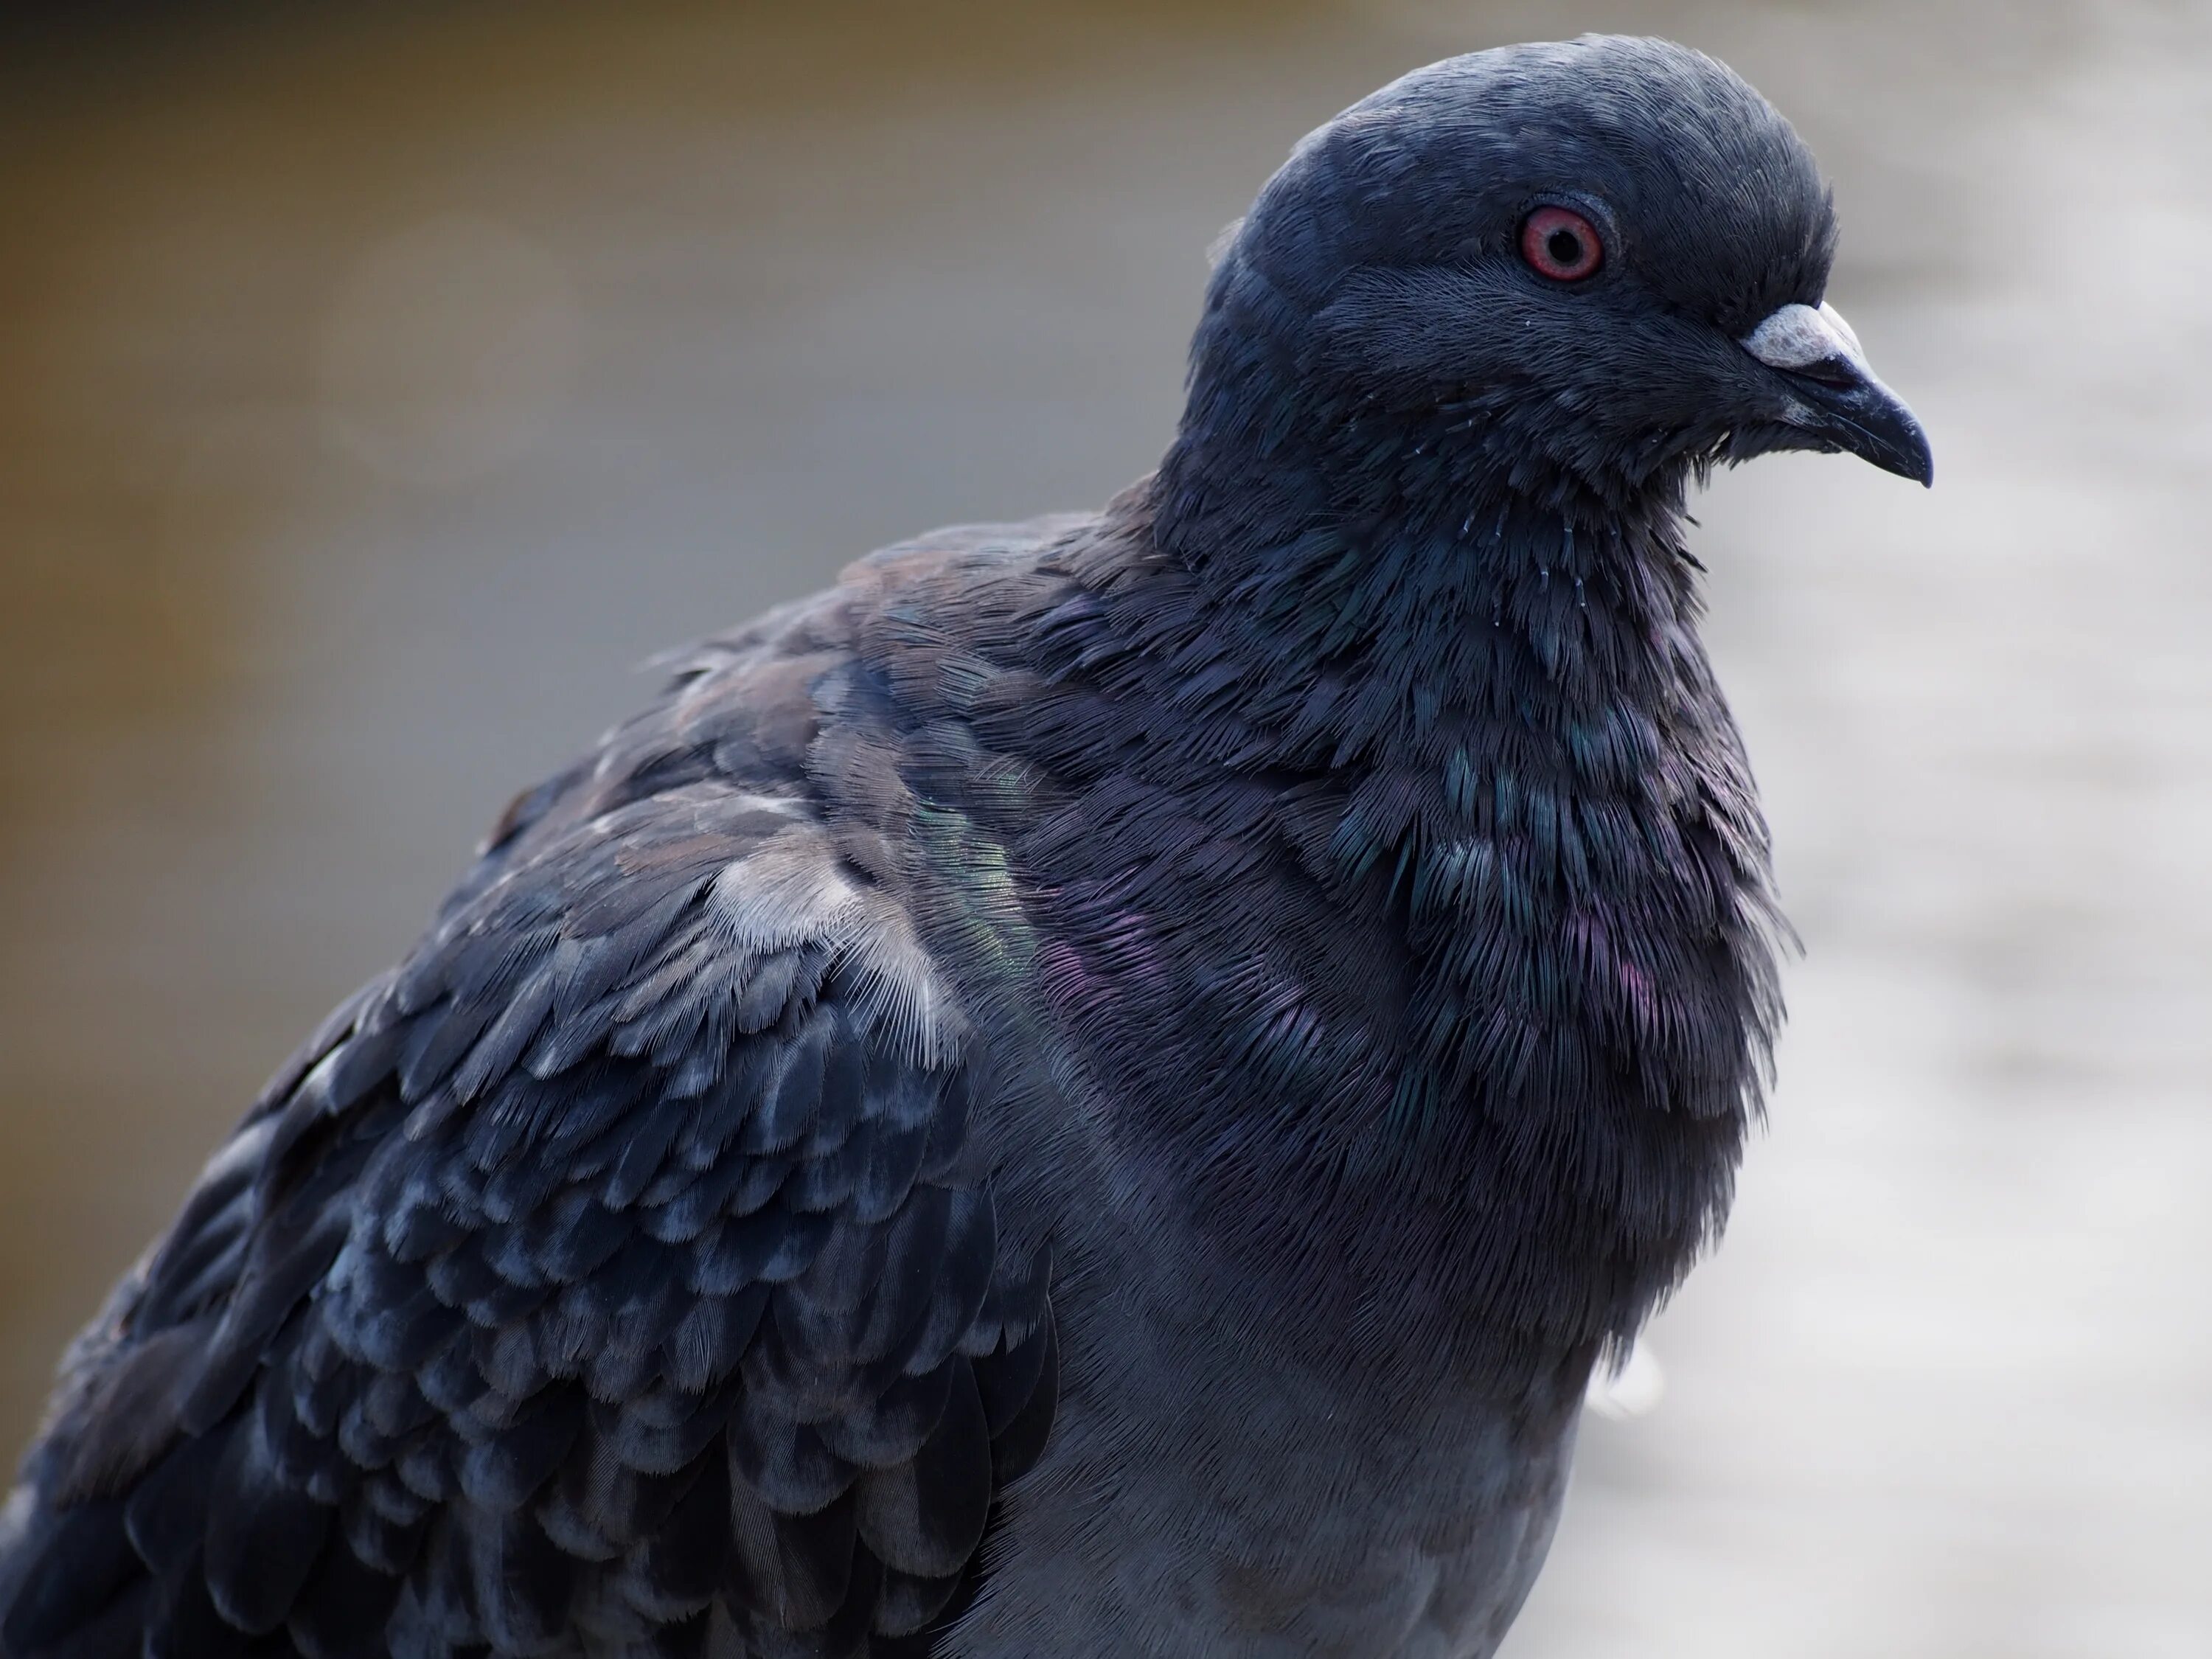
(1565, 247)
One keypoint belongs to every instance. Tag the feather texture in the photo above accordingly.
(494, 1339)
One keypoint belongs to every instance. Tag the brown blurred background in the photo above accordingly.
(378, 382)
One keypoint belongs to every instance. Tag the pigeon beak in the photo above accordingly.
(1834, 397)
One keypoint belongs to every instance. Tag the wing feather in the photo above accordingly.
(612, 1269)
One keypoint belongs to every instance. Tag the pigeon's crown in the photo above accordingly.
(1706, 194)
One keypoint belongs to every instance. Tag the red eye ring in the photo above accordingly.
(1560, 244)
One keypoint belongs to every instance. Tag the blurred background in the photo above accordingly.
(379, 383)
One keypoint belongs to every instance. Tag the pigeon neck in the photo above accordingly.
(1379, 586)
(1273, 439)
(1528, 807)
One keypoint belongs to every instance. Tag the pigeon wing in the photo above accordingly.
(617, 1271)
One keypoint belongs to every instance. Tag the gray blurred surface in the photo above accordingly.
(376, 386)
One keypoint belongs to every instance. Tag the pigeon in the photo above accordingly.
(1101, 1087)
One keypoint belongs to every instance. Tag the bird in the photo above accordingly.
(1102, 1086)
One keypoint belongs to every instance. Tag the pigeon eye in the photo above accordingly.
(1560, 245)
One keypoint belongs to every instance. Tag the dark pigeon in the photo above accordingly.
(1099, 1088)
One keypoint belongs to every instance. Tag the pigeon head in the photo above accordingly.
(1568, 273)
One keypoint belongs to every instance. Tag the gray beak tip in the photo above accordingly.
(1899, 437)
